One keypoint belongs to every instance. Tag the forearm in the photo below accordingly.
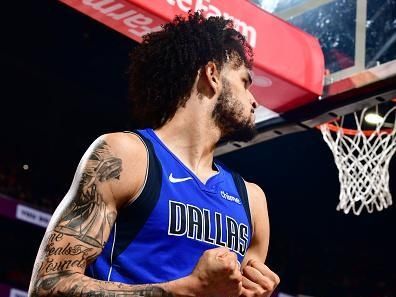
(67, 283)
(59, 272)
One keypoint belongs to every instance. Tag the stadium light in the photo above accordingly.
(373, 118)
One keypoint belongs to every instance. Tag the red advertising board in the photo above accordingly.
(289, 65)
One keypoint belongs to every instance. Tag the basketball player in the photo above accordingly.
(149, 212)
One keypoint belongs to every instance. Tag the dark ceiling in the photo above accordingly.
(64, 84)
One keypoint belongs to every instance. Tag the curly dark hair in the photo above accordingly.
(164, 67)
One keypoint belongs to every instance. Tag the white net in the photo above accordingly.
(363, 163)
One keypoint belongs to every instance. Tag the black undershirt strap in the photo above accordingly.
(132, 218)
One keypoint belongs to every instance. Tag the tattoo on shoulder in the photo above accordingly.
(87, 216)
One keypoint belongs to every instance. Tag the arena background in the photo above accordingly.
(64, 84)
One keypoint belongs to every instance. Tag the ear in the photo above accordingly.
(212, 74)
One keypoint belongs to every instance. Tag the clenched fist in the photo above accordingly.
(218, 273)
(258, 280)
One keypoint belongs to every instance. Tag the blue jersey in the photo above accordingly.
(162, 234)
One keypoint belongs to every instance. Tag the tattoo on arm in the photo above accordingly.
(80, 236)
(87, 216)
(61, 256)
(86, 287)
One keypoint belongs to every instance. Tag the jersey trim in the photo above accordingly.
(136, 214)
(242, 191)
(112, 252)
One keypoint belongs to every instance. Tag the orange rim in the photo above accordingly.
(353, 132)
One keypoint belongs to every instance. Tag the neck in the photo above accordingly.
(192, 136)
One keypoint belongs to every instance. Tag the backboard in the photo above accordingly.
(358, 39)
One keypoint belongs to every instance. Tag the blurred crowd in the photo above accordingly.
(339, 270)
(16, 182)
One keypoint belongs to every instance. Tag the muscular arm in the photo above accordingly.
(106, 178)
(260, 240)
(258, 280)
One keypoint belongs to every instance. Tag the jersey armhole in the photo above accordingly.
(242, 191)
(133, 216)
(137, 195)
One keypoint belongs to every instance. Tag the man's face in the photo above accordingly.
(234, 110)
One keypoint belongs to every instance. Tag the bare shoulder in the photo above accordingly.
(133, 153)
(123, 154)
(123, 143)
(258, 203)
(256, 194)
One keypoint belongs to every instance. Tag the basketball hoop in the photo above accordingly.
(362, 157)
